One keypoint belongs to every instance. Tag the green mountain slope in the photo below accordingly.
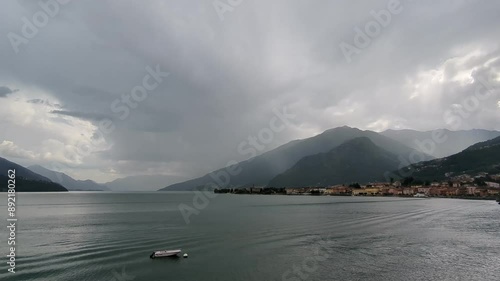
(357, 160)
(261, 169)
(480, 157)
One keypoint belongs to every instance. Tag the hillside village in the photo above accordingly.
(481, 186)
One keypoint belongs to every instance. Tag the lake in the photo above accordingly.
(109, 236)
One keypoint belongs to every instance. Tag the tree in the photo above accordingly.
(479, 182)
(355, 185)
(407, 181)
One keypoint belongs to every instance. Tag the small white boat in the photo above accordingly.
(164, 253)
(420, 195)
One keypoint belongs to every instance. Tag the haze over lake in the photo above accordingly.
(102, 236)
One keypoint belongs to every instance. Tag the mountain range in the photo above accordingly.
(26, 180)
(306, 162)
(141, 183)
(131, 183)
(67, 181)
(263, 168)
(38, 178)
(339, 155)
(357, 160)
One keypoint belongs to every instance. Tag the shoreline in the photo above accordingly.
(368, 196)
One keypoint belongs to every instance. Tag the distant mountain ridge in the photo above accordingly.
(26, 180)
(130, 183)
(67, 181)
(479, 151)
(357, 160)
(20, 171)
(141, 183)
(261, 169)
(480, 157)
(430, 141)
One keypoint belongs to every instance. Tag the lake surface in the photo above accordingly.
(109, 236)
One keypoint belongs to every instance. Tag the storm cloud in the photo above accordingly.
(4, 91)
(228, 75)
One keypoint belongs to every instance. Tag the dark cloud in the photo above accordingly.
(44, 102)
(5, 91)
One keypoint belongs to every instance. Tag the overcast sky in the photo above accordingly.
(228, 68)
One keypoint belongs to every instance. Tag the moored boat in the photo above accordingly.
(164, 253)
(420, 195)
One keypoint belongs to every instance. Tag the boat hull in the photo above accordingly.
(165, 254)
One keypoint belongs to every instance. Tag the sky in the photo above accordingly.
(108, 89)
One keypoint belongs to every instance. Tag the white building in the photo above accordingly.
(493, 184)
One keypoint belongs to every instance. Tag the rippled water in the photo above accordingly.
(109, 236)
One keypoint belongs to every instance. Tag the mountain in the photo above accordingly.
(21, 172)
(480, 157)
(26, 180)
(142, 183)
(454, 141)
(67, 181)
(261, 169)
(489, 144)
(357, 160)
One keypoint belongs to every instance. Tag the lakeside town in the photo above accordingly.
(481, 186)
